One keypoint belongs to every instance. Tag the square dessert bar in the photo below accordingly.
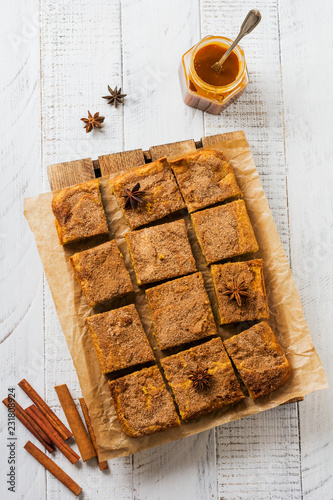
(143, 403)
(202, 379)
(181, 311)
(101, 273)
(259, 359)
(119, 339)
(224, 231)
(79, 212)
(240, 291)
(159, 194)
(160, 252)
(205, 178)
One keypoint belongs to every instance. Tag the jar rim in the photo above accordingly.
(222, 41)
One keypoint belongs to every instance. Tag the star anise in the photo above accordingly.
(115, 97)
(133, 197)
(236, 288)
(201, 378)
(93, 121)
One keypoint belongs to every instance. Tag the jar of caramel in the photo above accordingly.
(204, 88)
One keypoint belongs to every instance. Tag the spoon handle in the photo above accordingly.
(252, 19)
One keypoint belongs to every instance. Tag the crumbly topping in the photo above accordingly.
(79, 212)
(181, 311)
(205, 178)
(161, 193)
(224, 231)
(254, 304)
(259, 359)
(119, 339)
(161, 252)
(143, 403)
(224, 388)
(102, 274)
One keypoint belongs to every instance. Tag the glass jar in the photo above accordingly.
(202, 95)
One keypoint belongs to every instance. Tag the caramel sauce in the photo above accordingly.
(210, 54)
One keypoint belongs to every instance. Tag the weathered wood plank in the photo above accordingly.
(155, 35)
(81, 55)
(248, 451)
(308, 103)
(173, 148)
(67, 174)
(121, 161)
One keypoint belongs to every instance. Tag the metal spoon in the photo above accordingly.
(252, 20)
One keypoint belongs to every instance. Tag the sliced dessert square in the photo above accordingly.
(181, 311)
(202, 379)
(224, 231)
(205, 178)
(259, 359)
(143, 403)
(119, 339)
(101, 273)
(79, 212)
(147, 193)
(240, 291)
(160, 252)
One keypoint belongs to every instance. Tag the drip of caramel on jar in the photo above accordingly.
(210, 54)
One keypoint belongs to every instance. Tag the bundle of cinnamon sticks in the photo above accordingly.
(52, 433)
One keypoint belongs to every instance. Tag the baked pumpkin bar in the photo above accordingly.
(143, 403)
(119, 339)
(205, 178)
(79, 212)
(181, 311)
(202, 379)
(101, 273)
(160, 252)
(259, 359)
(155, 190)
(224, 231)
(240, 291)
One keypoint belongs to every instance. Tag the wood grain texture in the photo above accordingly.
(67, 174)
(173, 148)
(121, 161)
(259, 112)
(308, 105)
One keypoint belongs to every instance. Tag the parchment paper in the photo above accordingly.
(287, 319)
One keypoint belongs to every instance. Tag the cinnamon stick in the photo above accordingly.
(103, 465)
(54, 436)
(75, 423)
(24, 418)
(52, 467)
(46, 438)
(46, 410)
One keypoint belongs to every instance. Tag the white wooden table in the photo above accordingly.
(57, 59)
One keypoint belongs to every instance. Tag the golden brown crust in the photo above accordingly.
(143, 403)
(253, 305)
(205, 178)
(119, 339)
(259, 359)
(224, 387)
(79, 212)
(101, 273)
(161, 252)
(181, 311)
(161, 193)
(224, 231)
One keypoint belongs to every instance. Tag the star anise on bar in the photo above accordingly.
(93, 121)
(201, 378)
(115, 97)
(236, 289)
(133, 197)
